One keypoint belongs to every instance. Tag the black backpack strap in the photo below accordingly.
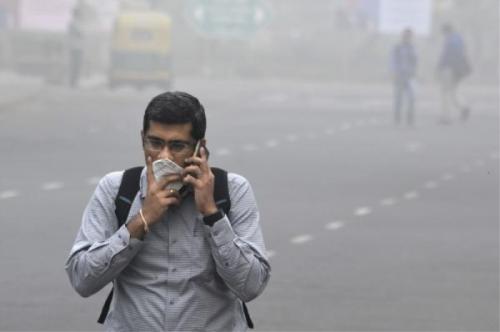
(123, 201)
(126, 194)
(221, 190)
(223, 202)
(105, 308)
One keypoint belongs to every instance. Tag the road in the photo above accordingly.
(369, 226)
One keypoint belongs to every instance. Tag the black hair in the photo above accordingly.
(176, 108)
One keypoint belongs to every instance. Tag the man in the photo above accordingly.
(179, 263)
(403, 65)
(452, 68)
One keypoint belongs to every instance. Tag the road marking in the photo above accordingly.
(270, 254)
(447, 177)
(389, 201)
(291, 138)
(311, 136)
(362, 211)
(250, 147)
(330, 131)
(52, 186)
(411, 195)
(223, 152)
(479, 163)
(272, 143)
(465, 169)
(300, 239)
(93, 181)
(413, 147)
(494, 155)
(430, 185)
(333, 226)
(345, 126)
(359, 123)
(8, 194)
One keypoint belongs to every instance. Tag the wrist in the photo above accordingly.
(211, 219)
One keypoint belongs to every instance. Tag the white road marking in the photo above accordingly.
(52, 185)
(250, 147)
(300, 239)
(389, 201)
(413, 147)
(430, 185)
(362, 211)
(447, 177)
(465, 169)
(333, 226)
(330, 131)
(311, 136)
(292, 138)
(346, 126)
(93, 181)
(479, 163)
(8, 194)
(272, 143)
(411, 195)
(270, 254)
(359, 123)
(223, 152)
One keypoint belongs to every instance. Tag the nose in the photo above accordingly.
(165, 153)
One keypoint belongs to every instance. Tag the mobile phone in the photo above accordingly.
(197, 149)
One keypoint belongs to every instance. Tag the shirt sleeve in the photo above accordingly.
(101, 250)
(238, 245)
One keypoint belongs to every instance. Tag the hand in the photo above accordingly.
(158, 197)
(199, 175)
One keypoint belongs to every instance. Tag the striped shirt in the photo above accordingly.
(184, 275)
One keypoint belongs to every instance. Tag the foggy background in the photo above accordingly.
(370, 225)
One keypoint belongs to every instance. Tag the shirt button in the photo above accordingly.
(174, 269)
(174, 241)
(172, 302)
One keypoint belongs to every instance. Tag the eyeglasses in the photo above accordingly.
(156, 145)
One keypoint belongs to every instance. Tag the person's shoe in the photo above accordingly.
(464, 113)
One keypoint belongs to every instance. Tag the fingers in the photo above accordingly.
(149, 171)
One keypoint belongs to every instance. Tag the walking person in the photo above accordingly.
(183, 260)
(453, 66)
(404, 66)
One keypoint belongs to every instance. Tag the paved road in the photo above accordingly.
(370, 226)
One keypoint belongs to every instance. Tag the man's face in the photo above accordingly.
(168, 141)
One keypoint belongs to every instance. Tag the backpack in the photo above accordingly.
(126, 194)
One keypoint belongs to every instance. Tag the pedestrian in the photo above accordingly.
(453, 66)
(403, 66)
(179, 263)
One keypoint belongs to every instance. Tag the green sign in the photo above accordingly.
(227, 19)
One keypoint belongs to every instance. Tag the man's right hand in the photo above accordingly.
(157, 201)
(158, 197)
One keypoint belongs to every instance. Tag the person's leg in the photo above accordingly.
(459, 102)
(398, 99)
(446, 91)
(410, 98)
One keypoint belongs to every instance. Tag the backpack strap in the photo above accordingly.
(126, 194)
(123, 201)
(221, 190)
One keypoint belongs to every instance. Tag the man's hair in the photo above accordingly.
(176, 108)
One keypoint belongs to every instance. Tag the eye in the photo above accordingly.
(155, 143)
(177, 146)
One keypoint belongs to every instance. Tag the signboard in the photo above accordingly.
(46, 15)
(227, 19)
(397, 15)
